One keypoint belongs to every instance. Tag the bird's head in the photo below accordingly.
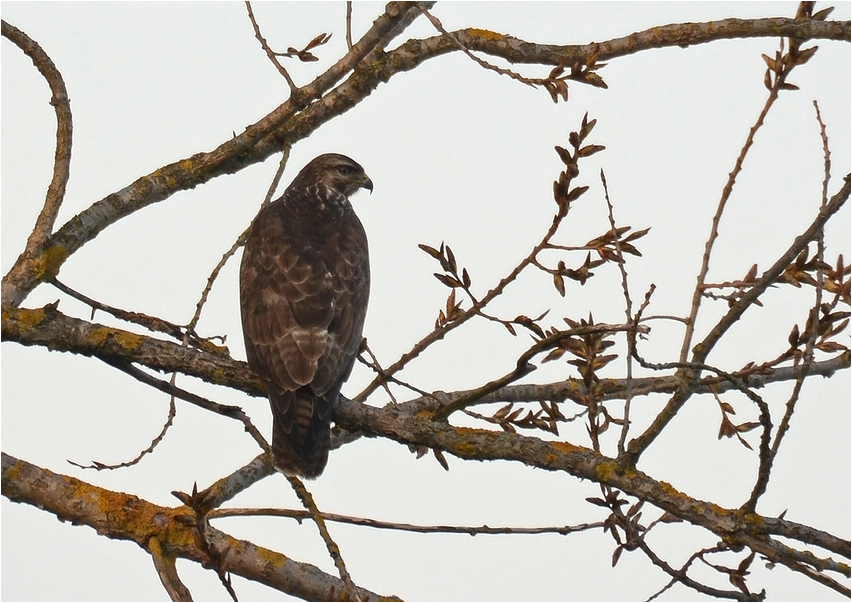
(338, 172)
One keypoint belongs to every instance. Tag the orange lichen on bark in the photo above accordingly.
(51, 260)
(485, 33)
(567, 447)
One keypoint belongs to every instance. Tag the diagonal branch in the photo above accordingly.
(728, 189)
(269, 53)
(61, 162)
(167, 572)
(230, 157)
(410, 425)
(126, 517)
(702, 350)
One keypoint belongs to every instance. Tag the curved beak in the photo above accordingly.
(367, 183)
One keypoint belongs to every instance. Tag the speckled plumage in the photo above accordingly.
(304, 285)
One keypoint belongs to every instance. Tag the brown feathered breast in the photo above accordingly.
(304, 285)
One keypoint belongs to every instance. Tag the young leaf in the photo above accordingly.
(559, 283)
(804, 55)
(430, 250)
(590, 150)
(449, 281)
(564, 155)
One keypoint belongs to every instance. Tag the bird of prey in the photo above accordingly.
(304, 285)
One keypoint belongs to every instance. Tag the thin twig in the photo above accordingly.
(721, 547)
(154, 443)
(241, 240)
(404, 527)
(628, 311)
(680, 576)
(717, 217)
(377, 368)
(232, 412)
(522, 366)
(152, 323)
(770, 276)
(484, 64)
(808, 357)
(349, 25)
(440, 332)
(187, 335)
(333, 550)
(269, 52)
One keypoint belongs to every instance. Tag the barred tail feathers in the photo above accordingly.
(301, 432)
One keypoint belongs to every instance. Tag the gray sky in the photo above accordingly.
(458, 155)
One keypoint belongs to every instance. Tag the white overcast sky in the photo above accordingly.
(459, 155)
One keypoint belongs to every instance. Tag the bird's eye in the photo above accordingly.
(345, 170)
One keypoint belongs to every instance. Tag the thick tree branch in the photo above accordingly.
(30, 265)
(50, 328)
(230, 157)
(126, 517)
(408, 424)
(47, 327)
(290, 122)
(516, 50)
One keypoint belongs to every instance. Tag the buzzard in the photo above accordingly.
(304, 284)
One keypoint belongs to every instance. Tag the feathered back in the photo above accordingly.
(304, 286)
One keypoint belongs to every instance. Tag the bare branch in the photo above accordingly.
(409, 424)
(681, 35)
(232, 412)
(240, 480)
(701, 350)
(166, 570)
(768, 456)
(154, 443)
(523, 366)
(255, 144)
(27, 265)
(300, 116)
(126, 517)
(780, 77)
(349, 25)
(269, 53)
(49, 327)
(330, 545)
(628, 311)
(152, 323)
(484, 64)
(405, 527)
(241, 240)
